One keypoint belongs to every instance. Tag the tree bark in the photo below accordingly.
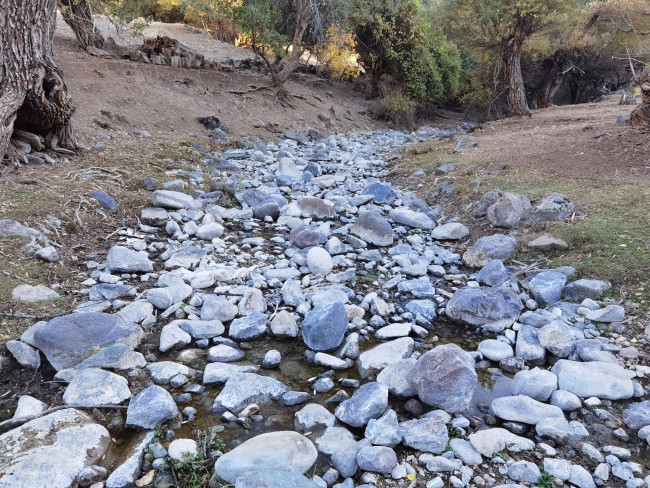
(551, 81)
(33, 95)
(78, 15)
(511, 56)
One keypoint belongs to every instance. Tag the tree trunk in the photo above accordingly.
(511, 56)
(551, 81)
(33, 95)
(78, 15)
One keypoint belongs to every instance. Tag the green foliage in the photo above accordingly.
(395, 107)
(546, 480)
(193, 471)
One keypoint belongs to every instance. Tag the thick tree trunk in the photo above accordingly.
(551, 81)
(33, 96)
(511, 56)
(78, 15)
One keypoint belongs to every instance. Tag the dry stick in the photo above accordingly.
(24, 316)
(11, 423)
(16, 277)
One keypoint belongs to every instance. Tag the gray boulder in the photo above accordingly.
(584, 288)
(485, 249)
(558, 338)
(93, 387)
(242, 389)
(637, 415)
(274, 479)
(493, 308)
(426, 435)
(411, 218)
(368, 402)
(547, 286)
(126, 474)
(324, 327)
(125, 260)
(508, 209)
(486, 201)
(24, 354)
(339, 444)
(218, 308)
(492, 274)
(445, 377)
(66, 340)
(384, 431)
(247, 328)
(554, 206)
(528, 347)
(594, 379)
(377, 459)
(373, 228)
(283, 451)
(521, 408)
(151, 407)
(50, 451)
(394, 376)
(313, 416)
(538, 384)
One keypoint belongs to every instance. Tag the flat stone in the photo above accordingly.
(201, 329)
(611, 313)
(374, 360)
(285, 451)
(373, 228)
(426, 435)
(381, 192)
(247, 328)
(172, 336)
(303, 237)
(377, 459)
(151, 407)
(124, 260)
(324, 327)
(490, 441)
(224, 354)
(10, 228)
(48, 254)
(523, 409)
(186, 258)
(210, 230)
(171, 199)
(408, 217)
(452, 231)
(525, 471)
(50, 451)
(221, 372)
(118, 356)
(495, 350)
(93, 387)
(493, 308)
(242, 389)
(29, 293)
(594, 379)
(105, 200)
(67, 340)
(548, 243)
(464, 451)
(584, 288)
(24, 354)
(485, 249)
(274, 479)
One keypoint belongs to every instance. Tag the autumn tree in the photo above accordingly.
(33, 95)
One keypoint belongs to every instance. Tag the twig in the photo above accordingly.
(24, 316)
(7, 273)
(11, 423)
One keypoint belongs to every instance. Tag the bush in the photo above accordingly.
(395, 107)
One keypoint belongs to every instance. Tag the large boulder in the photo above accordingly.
(508, 209)
(594, 379)
(373, 228)
(485, 249)
(283, 451)
(324, 327)
(547, 286)
(493, 308)
(445, 377)
(67, 340)
(50, 451)
(521, 408)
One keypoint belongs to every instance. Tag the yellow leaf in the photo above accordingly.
(410, 476)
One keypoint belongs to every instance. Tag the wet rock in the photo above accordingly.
(368, 402)
(373, 228)
(593, 379)
(242, 389)
(125, 260)
(93, 387)
(493, 308)
(66, 340)
(151, 407)
(374, 360)
(488, 248)
(445, 377)
(285, 451)
(272, 359)
(508, 209)
(323, 328)
(50, 451)
(547, 286)
(521, 408)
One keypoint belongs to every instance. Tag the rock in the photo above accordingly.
(492, 274)
(611, 313)
(368, 402)
(381, 192)
(274, 479)
(548, 243)
(242, 389)
(554, 206)
(490, 441)
(581, 289)
(66, 340)
(10, 228)
(486, 201)
(221, 372)
(284, 325)
(125, 260)
(118, 356)
(93, 387)
(637, 415)
(171, 199)
(317, 208)
(250, 327)
(201, 329)
(495, 350)
(223, 353)
(558, 468)
(209, 231)
(319, 261)
(493, 308)
(151, 407)
(50, 451)
(528, 347)
(425, 311)
(521, 408)
(558, 338)
(272, 359)
(464, 451)
(452, 231)
(269, 208)
(126, 474)
(580, 477)
(594, 379)
(445, 377)
(24, 354)
(105, 200)
(48, 254)
(373, 228)
(394, 376)
(284, 451)
(218, 308)
(377, 459)
(524, 471)
(547, 287)
(187, 258)
(339, 444)
(324, 327)
(384, 431)
(163, 371)
(426, 434)
(410, 218)
(371, 362)
(91, 474)
(487, 248)
(29, 293)
(566, 400)
(508, 209)
(303, 237)
(536, 383)
(172, 336)
(287, 167)
(313, 416)
(180, 449)
(330, 362)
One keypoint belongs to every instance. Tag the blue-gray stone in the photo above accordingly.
(492, 274)
(323, 328)
(493, 308)
(247, 328)
(368, 402)
(151, 407)
(547, 287)
(637, 415)
(381, 192)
